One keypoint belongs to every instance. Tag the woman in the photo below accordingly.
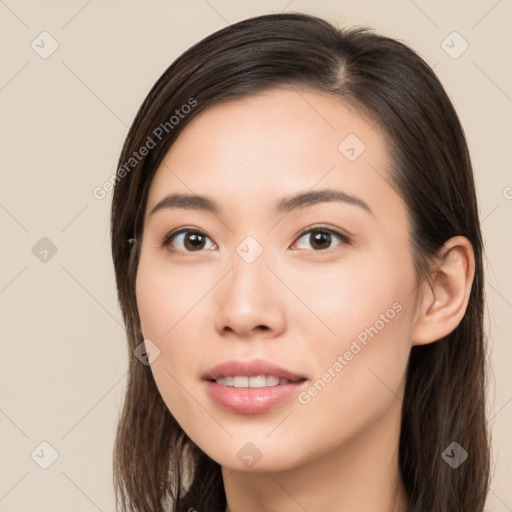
(299, 264)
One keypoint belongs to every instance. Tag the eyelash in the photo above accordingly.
(166, 242)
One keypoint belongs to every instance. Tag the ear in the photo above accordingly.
(443, 306)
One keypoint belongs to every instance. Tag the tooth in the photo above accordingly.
(257, 381)
(240, 381)
(225, 381)
(272, 380)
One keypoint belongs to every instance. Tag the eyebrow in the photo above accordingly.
(285, 205)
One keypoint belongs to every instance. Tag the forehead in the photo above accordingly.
(272, 144)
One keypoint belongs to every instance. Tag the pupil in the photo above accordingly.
(194, 241)
(322, 236)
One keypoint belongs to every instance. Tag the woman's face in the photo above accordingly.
(322, 287)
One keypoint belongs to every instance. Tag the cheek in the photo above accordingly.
(164, 296)
(359, 377)
(160, 309)
(338, 300)
(169, 306)
(367, 312)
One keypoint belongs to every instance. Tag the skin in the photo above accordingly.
(208, 305)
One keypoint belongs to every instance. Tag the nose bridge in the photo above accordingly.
(249, 275)
(250, 249)
(248, 299)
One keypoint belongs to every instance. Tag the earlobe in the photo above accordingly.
(444, 303)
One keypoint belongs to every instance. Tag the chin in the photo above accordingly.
(255, 456)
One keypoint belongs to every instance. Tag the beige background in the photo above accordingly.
(64, 359)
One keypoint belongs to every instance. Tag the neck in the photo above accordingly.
(361, 474)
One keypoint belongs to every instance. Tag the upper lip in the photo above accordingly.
(249, 368)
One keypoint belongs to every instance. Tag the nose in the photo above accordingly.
(249, 301)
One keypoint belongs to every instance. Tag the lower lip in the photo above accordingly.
(252, 400)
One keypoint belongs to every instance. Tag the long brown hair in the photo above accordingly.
(155, 463)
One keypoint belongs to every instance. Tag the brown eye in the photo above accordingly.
(321, 239)
(186, 240)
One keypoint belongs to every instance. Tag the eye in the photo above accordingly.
(321, 237)
(188, 240)
(192, 240)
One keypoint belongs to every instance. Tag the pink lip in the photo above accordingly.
(249, 368)
(251, 400)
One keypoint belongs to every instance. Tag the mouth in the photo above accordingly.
(254, 381)
(251, 374)
(251, 387)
